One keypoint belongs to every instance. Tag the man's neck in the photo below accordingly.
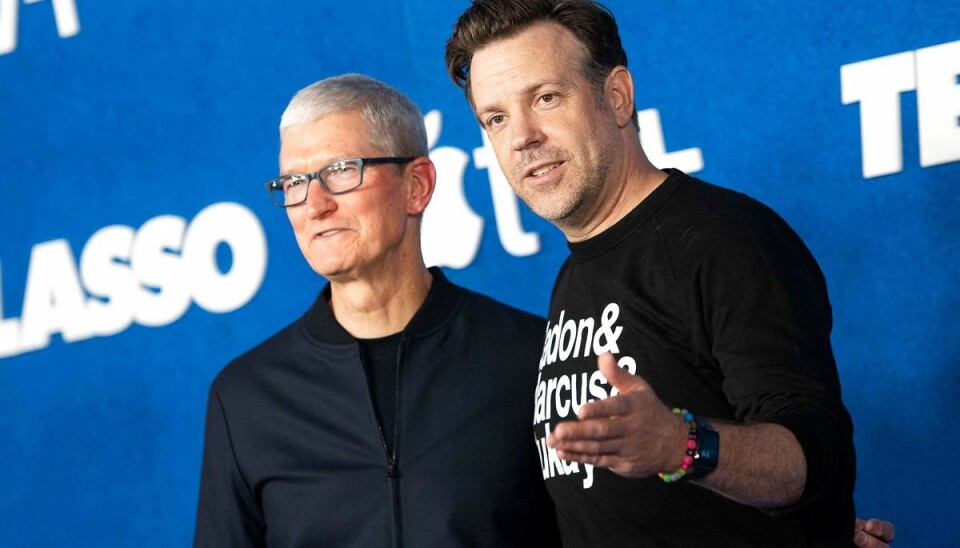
(636, 180)
(375, 308)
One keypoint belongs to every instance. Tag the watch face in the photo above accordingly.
(708, 452)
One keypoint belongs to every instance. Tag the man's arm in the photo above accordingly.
(227, 512)
(635, 435)
(761, 465)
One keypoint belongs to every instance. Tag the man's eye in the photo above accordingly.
(292, 183)
(547, 98)
(495, 120)
(341, 170)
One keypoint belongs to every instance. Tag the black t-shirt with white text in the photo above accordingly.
(718, 304)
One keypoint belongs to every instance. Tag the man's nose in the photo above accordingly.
(319, 202)
(525, 132)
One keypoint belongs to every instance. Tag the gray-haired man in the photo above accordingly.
(396, 411)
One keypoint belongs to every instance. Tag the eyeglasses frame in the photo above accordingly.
(272, 183)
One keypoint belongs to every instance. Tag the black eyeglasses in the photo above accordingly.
(339, 177)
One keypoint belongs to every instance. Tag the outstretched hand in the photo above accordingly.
(633, 433)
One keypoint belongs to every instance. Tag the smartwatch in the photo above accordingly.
(708, 451)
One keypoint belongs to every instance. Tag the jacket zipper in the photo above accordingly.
(392, 472)
(391, 456)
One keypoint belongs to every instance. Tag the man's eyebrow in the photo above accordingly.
(327, 161)
(531, 89)
(561, 83)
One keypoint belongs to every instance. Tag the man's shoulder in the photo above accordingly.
(250, 367)
(715, 229)
(718, 204)
(723, 218)
(482, 317)
(487, 308)
(494, 336)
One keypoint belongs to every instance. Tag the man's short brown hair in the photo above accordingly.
(486, 21)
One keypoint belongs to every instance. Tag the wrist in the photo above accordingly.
(686, 435)
(702, 449)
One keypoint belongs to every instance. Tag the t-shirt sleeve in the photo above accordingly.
(768, 318)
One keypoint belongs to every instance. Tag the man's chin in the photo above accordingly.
(332, 272)
(552, 210)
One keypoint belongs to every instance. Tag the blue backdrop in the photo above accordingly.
(140, 253)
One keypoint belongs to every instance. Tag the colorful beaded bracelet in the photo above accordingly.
(670, 477)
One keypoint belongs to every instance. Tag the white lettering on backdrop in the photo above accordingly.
(64, 14)
(877, 84)
(148, 276)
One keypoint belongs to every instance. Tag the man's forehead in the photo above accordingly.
(307, 147)
(536, 56)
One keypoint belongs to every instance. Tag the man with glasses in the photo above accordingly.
(396, 411)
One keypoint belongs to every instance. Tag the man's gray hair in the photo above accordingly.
(394, 123)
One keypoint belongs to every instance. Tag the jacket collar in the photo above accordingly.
(442, 301)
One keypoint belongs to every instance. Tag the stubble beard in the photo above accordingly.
(564, 204)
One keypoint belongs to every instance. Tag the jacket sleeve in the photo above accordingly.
(227, 511)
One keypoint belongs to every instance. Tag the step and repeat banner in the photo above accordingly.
(139, 251)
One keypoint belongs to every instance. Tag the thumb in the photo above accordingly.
(620, 379)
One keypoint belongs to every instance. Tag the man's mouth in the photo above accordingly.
(545, 169)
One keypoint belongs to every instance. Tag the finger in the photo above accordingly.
(619, 378)
(592, 429)
(881, 529)
(864, 539)
(604, 461)
(614, 406)
(587, 447)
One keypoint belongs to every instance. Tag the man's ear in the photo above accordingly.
(619, 91)
(421, 180)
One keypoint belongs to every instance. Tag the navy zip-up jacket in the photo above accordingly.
(293, 455)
